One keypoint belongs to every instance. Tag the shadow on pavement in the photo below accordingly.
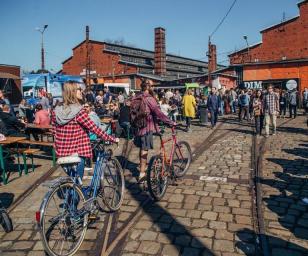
(246, 245)
(250, 132)
(292, 186)
(165, 222)
(289, 129)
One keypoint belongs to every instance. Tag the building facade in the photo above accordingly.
(280, 59)
(119, 63)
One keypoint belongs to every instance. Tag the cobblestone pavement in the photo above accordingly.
(285, 172)
(208, 212)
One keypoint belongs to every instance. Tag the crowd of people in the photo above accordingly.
(169, 106)
(258, 105)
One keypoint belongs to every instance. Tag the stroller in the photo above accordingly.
(5, 219)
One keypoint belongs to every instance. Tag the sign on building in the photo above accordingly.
(255, 85)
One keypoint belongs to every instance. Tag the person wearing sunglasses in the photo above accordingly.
(71, 124)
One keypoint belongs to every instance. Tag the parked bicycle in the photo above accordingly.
(69, 207)
(5, 219)
(163, 167)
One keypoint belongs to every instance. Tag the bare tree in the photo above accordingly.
(119, 41)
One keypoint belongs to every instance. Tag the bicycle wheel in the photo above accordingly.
(181, 158)
(6, 221)
(157, 180)
(111, 193)
(63, 221)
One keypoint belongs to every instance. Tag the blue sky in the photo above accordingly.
(188, 25)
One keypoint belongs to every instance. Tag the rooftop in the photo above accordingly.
(139, 52)
(7, 65)
(270, 62)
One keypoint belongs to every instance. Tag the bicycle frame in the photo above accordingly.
(168, 160)
(91, 191)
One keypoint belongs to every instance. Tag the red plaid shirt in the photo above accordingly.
(73, 138)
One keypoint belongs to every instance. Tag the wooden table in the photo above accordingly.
(8, 141)
(41, 129)
(38, 126)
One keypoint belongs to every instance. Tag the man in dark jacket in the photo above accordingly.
(213, 105)
(13, 125)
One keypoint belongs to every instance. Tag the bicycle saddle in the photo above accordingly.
(72, 159)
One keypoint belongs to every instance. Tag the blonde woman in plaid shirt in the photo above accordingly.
(270, 109)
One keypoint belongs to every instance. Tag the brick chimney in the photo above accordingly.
(160, 52)
(213, 58)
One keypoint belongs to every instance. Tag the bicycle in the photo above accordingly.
(5, 219)
(68, 207)
(163, 168)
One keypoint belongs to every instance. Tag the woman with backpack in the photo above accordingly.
(144, 116)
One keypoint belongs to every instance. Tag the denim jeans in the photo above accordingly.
(79, 169)
(222, 108)
(259, 124)
(293, 110)
(232, 105)
(188, 122)
(214, 117)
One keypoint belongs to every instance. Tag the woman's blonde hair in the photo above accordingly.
(189, 92)
(69, 93)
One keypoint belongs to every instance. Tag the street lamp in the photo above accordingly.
(42, 30)
(248, 50)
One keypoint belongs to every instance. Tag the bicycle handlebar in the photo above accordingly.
(101, 142)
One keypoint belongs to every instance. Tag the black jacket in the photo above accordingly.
(12, 124)
(124, 115)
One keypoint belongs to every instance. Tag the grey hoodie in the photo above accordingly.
(64, 114)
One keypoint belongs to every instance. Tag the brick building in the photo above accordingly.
(10, 82)
(280, 59)
(124, 64)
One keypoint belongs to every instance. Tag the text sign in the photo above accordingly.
(257, 85)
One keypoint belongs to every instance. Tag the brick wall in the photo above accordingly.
(287, 40)
(102, 62)
(278, 71)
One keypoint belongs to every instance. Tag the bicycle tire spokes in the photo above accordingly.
(113, 185)
(64, 221)
(157, 178)
(181, 158)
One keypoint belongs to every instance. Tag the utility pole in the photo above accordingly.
(42, 30)
(248, 50)
(209, 56)
(88, 60)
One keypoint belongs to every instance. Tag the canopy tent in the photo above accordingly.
(8, 76)
(191, 85)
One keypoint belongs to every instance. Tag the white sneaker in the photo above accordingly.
(305, 200)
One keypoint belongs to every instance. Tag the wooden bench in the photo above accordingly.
(25, 153)
(44, 144)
